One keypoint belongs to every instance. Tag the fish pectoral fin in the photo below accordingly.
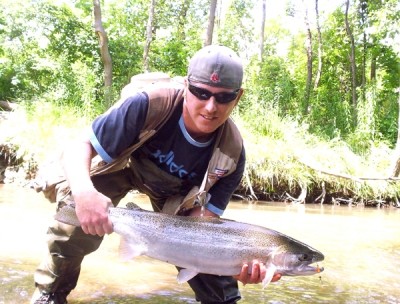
(271, 268)
(128, 251)
(185, 275)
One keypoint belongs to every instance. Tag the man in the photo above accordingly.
(178, 146)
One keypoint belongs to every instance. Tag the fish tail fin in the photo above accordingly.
(67, 215)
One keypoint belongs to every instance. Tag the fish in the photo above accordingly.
(207, 245)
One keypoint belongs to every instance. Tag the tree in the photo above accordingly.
(48, 51)
(363, 25)
(149, 35)
(396, 153)
(103, 44)
(319, 69)
(309, 63)
(183, 13)
(237, 30)
(352, 59)
(211, 20)
(262, 33)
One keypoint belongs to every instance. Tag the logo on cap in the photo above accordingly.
(214, 77)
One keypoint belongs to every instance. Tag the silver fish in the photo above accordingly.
(205, 244)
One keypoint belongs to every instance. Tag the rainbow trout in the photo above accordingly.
(205, 244)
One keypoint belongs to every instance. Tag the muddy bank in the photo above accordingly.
(21, 169)
(15, 168)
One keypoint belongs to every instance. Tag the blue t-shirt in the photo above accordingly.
(172, 149)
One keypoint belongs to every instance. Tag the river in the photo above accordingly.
(361, 248)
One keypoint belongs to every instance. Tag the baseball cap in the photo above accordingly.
(217, 66)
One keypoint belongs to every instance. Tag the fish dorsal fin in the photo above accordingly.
(271, 268)
(185, 275)
(127, 250)
(132, 206)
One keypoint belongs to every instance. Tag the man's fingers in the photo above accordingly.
(91, 230)
(108, 227)
(85, 230)
(263, 271)
(255, 273)
(276, 277)
(242, 277)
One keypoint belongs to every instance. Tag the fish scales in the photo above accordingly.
(204, 244)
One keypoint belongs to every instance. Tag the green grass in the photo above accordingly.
(42, 129)
(282, 156)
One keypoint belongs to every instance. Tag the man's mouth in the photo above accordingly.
(208, 117)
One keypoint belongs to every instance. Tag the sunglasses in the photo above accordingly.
(203, 94)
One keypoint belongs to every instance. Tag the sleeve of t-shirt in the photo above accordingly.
(119, 128)
(222, 191)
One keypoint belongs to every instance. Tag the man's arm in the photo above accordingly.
(91, 205)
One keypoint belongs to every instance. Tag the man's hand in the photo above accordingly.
(258, 271)
(92, 211)
(91, 206)
(256, 275)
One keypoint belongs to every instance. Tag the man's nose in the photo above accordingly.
(211, 104)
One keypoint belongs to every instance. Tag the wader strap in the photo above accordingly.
(197, 197)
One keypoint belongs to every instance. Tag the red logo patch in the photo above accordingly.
(214, 77)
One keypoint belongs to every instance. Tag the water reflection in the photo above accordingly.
(361, 247)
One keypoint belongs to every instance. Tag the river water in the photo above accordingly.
(361, 248)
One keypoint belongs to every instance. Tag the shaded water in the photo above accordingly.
(361, 247)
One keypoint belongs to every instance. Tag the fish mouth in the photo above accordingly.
(304, 269)
(309, 269)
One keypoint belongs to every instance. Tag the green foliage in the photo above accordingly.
(58, 59)
(49, 59)
(270, 86)
(178, 35)
(170, 56)
(125, 40)
(42, 121)
(236, 28)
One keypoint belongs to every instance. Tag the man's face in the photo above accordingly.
(203, 116)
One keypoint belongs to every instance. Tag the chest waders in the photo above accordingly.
(59, 271)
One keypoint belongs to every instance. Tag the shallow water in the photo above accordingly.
(361, 248)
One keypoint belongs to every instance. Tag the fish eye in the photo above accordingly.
(304, 257)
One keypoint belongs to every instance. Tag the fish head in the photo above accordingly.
(296, 259)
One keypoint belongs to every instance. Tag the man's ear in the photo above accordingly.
(185, 82)
(239, 96)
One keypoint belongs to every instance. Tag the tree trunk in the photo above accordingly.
(7, 106)
(182, 19)
(364, 16)
(262, 34)
(396, 157)
(373, 68)
(211, 20)
(149, 36)
(319, 71)
(352, 59)
(309, 63)
(103, 43)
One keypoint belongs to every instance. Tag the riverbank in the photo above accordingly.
(286, 163)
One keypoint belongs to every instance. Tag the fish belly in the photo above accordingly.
(187, 249)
